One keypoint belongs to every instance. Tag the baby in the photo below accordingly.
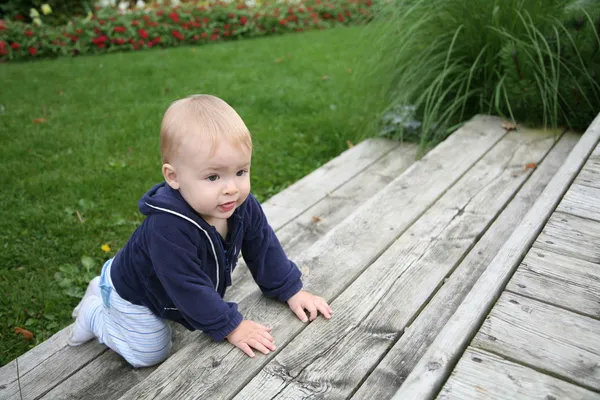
(178, 262)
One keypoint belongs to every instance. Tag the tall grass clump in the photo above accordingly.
(433, 64)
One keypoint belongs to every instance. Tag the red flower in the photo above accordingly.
(120, 41)
(231, 15)
(196, 37)
(243, 20)
(156, 40)
(101, 22)
(15, 45)
(20, 17)
(206, 20)
(204, 35)
(177, 34)
(28, 33)
(99, 41)
(174, 16)
(340, 17)
(143, 33)
(160, 13)
(120, 29)
(135, 22)
(283, 22)
(214, 36)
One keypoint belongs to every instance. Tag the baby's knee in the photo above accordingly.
(152, 356)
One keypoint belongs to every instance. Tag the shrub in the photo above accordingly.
(110, 30)
(436, 63)
(62, 10)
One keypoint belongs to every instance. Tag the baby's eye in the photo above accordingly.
(213, 178)
(241, 172)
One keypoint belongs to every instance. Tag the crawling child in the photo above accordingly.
(177, 264)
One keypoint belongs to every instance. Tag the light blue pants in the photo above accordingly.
(132, 331)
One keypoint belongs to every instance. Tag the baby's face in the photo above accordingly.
(214, 185)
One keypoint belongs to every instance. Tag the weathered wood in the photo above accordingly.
(431, 371)
(581, 200)
(335, 173)
(483, 375)
(564, 281)
(545, 337)
(376, 308)
(590, 175)
(304, 230)
(208, 369)
(90, 382)
(43, 367)
(571, 236)
(390, 373)
(295, 199)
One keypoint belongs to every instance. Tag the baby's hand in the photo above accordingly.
(250, 334)
(305, 301)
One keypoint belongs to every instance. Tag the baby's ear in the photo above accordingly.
(170, 176)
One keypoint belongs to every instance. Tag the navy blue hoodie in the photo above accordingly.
(178, 266)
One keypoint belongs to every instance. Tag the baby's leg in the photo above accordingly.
(93, 289)
(141, 337)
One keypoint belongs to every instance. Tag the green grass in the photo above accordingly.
(98, 150)
(533, 61)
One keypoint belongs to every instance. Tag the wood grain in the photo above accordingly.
(435, 366)
(581, 200)
(483, 375)
(545, 337)
(377, 307)
(571, 236)
(564, 281)
(393, 369)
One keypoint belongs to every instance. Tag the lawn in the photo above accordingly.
(80, 141)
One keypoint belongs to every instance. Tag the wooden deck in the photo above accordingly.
(412, 257)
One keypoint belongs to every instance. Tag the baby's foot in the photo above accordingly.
(93, 289)
(80, 330)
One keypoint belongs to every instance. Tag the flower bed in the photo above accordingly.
(109, 30)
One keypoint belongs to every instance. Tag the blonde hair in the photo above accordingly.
(204, 115)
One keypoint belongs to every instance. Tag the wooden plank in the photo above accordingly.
(303, 231)
(393, 369)
(43, 363)
(376, 308)
(483, 375)
(564, 281)
(583, 201)
(545, 337)
(206, 369)
(432, 370)
(590, 175)
(89, 382)
(295, 199)
(571, 236)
